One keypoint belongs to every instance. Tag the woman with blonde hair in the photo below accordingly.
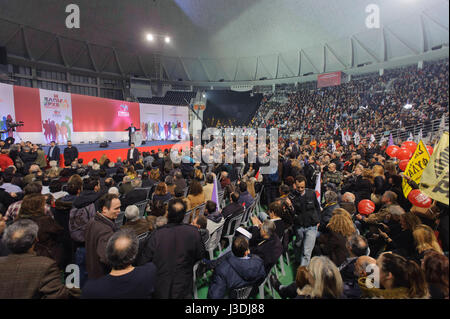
(425, 240)
(131, 172)
(380, 184)
(102, 159)
(326, 280)
(332, 243)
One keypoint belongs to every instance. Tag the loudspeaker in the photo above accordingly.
(143, 143)
(3, 56)
(104, 144)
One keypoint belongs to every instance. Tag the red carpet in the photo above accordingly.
(114, 154)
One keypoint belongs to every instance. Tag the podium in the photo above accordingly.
(136, 138)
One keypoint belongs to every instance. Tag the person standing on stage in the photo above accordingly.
(70, 154)
(131, 130)
(53, 153)
(133, 154)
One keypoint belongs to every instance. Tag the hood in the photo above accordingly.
(216, 217)
(86, 198)
(248, 269)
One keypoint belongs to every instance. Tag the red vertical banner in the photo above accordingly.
(28, 109)
(329, 79)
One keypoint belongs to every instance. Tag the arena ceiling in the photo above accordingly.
(213, 40)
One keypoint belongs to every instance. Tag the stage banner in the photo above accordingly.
(176, 122)
(94, 114)
(56, 113)
(329, 79)
(6, 108)
(151, 121)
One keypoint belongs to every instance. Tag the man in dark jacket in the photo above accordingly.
(28, 157)
(306, 220)
(236, 269)
(232, 210)
(265, 243)
(53, 152)
(98, 231)
(70, 154)
(133, 154)
(245, 196)
(174, 249)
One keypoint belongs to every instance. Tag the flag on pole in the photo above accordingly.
(215, 194)
(317, 189)
(333, 147)
(372, 138)
(391, 140)
(344, 139)
(357, 138)
(257, 174)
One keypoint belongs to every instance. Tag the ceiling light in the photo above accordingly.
(167, 39)
(150, 37)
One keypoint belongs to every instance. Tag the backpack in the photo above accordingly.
(79, 217)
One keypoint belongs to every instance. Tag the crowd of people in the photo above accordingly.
(90, 215)
(368, 105)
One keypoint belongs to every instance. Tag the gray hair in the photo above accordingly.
(348, 197)
(122, 249)
(396, 210)
(161, 221)
(113, 190)
(21, 235)
(327, 278)
(132, 213)
(137, 182)
(268, 227)
(330, 197)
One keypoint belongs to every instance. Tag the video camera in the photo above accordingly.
(13, 124)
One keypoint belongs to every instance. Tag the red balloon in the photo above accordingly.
(402, 164)
(403, 154)
(392, 150)
(419, 199)
(366, 207)
(410, 145)
(430, 149)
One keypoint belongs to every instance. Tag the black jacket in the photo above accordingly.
(70, 154)
(55, 154)
(306, 208)
(268, 249)
(230, 211)
(174, 249)
(86, 198)
(233, 273)
(135, 155)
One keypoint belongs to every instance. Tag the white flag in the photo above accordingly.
(317, 190)
(419, 136)
(411, 137)
(344, 138)
(333, 147)
(356, 138)
(372, 138)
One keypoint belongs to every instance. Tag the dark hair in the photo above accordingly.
(436, 270)
(55, 186)
(210, 206)
(33, 188)
(290, 181)
(102, 173)
(123, 256)
(277, 208)
(358, 245)
(106, 200)
(7, 178)
(179, 191)
(196, 188)
(158, 208)
(235, 197)
(406, 274)
(240, 246)
(90, 183)
(300, 178)
(32, 205)
(209, 178)
(202, 221)
(73, 188)
(242, 187)
(284, 189)
(176, 211)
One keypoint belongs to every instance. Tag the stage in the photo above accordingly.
(114, 150)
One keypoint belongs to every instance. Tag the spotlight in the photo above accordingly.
(407, 106)
(204, 95)
(150, 37)
(167, 39)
